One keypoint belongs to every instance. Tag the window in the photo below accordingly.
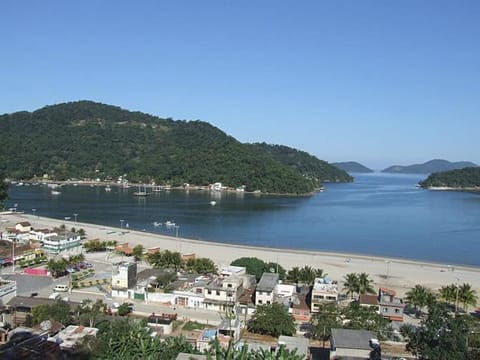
(217, 293)
(268, 302)
(385, 310)
(229, 285)
(260, 301)
(397, 311)
(209, 292)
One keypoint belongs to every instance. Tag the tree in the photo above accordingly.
(293, 275)
(360, 317)
(57, 267)
(350, 284)
(307, 275)
(137, 252)
(201, 266)
(58, 311)
(327, 317)
(448, 294)
(125, 339)
(365, 284)
(467, 296)
(420, 296)
(272, 319)
(3, 189)
(89, 311)
(440, 336)
(253, 265)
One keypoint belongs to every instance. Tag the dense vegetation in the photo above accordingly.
(90, 140)
(257, 267)
(3, 189)
(461, 178)
(429, 167)
(352, 167)
(308, 165)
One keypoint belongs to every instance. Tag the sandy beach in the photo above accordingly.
(395, 273)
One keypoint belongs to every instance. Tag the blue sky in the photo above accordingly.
(380, 82)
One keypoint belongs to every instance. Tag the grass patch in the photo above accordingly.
(193, 325)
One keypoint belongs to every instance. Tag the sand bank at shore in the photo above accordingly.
(398, 274)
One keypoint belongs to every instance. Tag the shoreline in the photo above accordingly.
(398, 273)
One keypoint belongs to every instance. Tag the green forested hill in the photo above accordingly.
(308, 165)
(90, 140)
(461, 178)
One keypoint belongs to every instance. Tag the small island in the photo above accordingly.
(352, 167)
(466, 179)
(429, 167)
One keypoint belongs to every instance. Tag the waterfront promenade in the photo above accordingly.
(396, 273)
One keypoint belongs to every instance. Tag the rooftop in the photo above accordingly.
(352, 339)
(267, 282)
(292, 342)
(366, 299)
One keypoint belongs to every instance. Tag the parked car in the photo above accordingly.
(61, 288)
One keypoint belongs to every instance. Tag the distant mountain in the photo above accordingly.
(85, 139)
(308, 165)
(460, 178)
(352, 167)
(429, 167)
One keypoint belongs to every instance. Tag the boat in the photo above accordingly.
(108, 188)
(141, 192)
(54, 192)
(213, 203)
(157, 224)
(169, 223)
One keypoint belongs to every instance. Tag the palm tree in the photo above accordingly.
(350, 284)
(319, 273)
(448, 294)
(307, 275)
(467, 296)
(293, 275)
(420, 296)
(137, 252)
(365, 284)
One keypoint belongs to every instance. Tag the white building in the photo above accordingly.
(124, 279)
(62, 243)
(221, 294)
(266, 289)
(323, 290)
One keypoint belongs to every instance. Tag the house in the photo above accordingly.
(246, 305)
(124, 249)
(355, 344)
(124, 279)
(162, 323)
(21, 306)
(221, 294)
(230, 328)
(266, 288)
(323, 290)
(23, 227)
(386, 302)
(57, 244)
(299, 308)
(390, 306)
(233, 270)
(73, 335)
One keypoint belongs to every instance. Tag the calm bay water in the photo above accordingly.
(378, 214)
